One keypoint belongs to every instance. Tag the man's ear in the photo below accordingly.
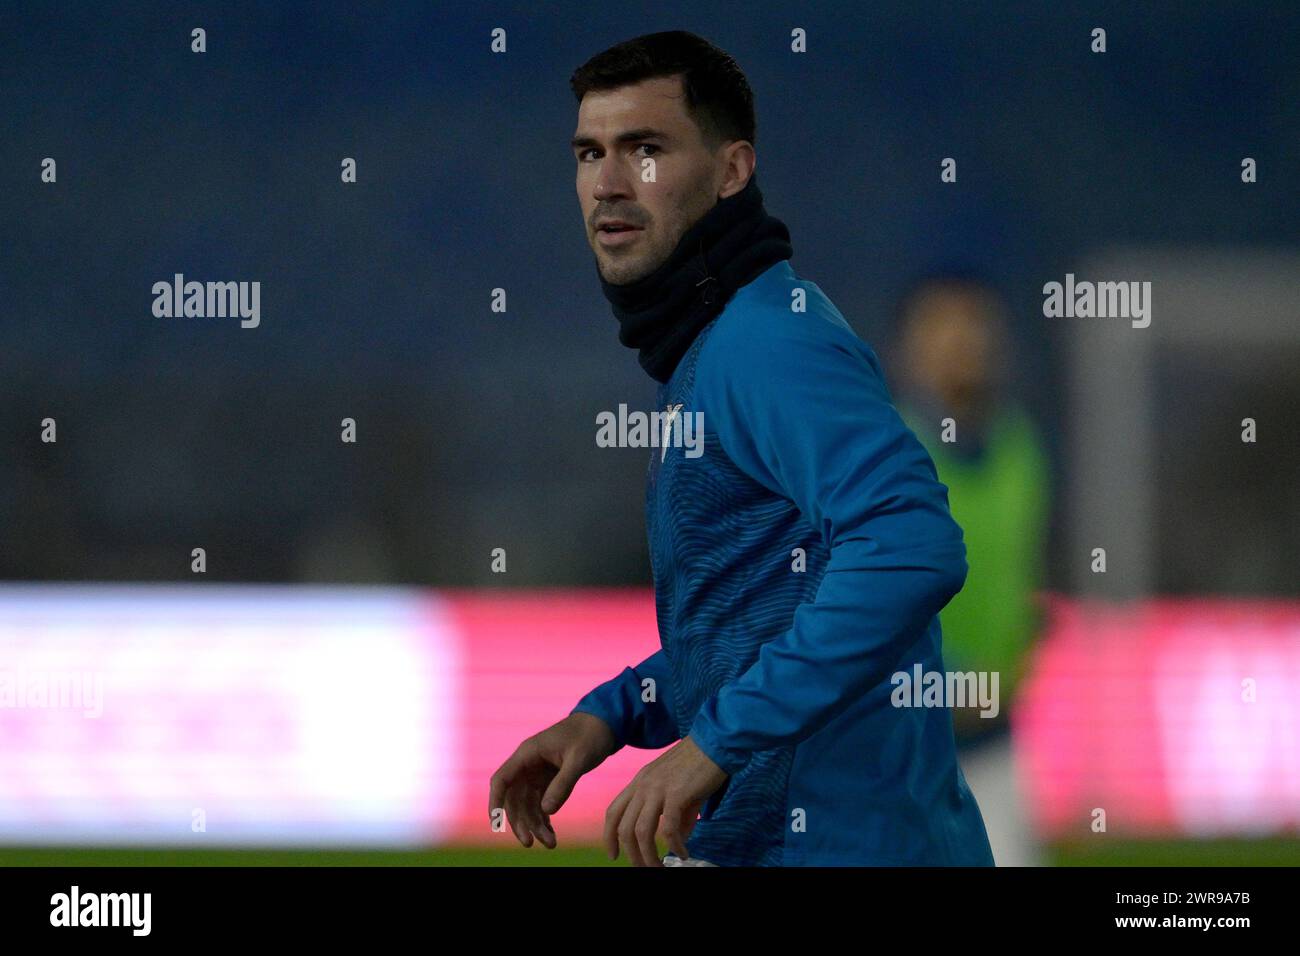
(739, 162)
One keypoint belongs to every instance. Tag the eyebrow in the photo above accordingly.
(629, 136)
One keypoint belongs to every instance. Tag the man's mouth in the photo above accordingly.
(616, 233)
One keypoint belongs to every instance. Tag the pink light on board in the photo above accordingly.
(529, 657)
(1172, 716)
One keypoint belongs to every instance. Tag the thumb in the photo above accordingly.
(565, 780)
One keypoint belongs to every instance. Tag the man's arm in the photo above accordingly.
(620, 702)
(799, 403)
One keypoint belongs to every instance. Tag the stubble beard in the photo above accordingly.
(624, 270)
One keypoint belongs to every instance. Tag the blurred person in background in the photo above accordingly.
(954, 352)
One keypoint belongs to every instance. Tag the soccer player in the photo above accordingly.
(799, 562)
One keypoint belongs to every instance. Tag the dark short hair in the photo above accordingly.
(718, 97)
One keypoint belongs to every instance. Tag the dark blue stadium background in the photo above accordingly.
(476, 429)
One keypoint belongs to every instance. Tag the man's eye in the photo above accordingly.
(582, 156)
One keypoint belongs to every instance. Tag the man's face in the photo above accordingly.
(950, 346)
(617, 131)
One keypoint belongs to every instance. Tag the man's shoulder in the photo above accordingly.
(781, 302)
(773, 325)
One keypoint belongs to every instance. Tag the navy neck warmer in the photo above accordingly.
(661, 314)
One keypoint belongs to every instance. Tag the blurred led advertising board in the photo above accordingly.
(293, 715)
(256, 715)
(1172, 717)
(217, 714)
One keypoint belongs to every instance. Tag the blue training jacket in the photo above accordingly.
(799, 562)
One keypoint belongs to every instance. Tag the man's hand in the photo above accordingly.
(673, 786)
(540, 774)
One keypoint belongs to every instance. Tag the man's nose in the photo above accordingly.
(612, 183)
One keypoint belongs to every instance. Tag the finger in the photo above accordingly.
(532, 817)
(500, 796)
(529, 822)
(646, 825)
(565, 780)
(548, 837)
(502, 779)
(627, 830)
(674, 831)
(496, 793)
(613, 817)
(544, 831)
(515, 816)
